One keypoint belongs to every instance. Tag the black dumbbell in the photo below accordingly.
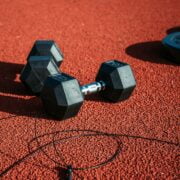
(37, 69)
(42, 62)
(47, 48)
(63, 96)
(172, 43)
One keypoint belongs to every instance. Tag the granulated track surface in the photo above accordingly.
(90, 32)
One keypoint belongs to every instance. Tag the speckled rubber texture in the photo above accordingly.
(90, 32)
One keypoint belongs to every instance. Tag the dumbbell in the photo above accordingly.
(41, 62)
(47, 48)
(62, 95)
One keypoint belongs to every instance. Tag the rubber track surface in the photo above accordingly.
(90, 32)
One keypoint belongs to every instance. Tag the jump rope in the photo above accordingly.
(68, 168)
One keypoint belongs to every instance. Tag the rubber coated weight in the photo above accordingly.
(47, 48)
(119, 80)
(37, 69)
(172, 43)
(62, 95)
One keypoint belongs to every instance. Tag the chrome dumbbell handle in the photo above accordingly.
(93, 88)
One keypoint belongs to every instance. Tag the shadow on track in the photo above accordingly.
(152, 51)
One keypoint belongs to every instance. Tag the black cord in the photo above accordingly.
(91, 133)
(110, 159)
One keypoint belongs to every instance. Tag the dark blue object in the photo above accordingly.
(172, 44)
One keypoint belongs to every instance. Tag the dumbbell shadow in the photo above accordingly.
(21, 107)
(9, 82)
(97, 98)
(10, 87)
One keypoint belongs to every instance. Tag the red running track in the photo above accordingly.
(90, 32)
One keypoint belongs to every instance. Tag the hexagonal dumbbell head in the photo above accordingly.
(36, 71)
(119, 80)
(47, 48)
(61, 96)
